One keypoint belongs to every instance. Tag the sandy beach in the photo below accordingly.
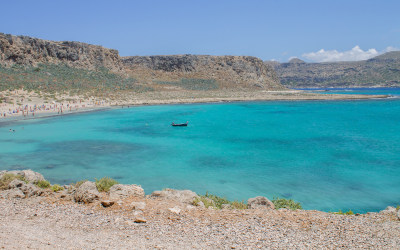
(21, 104)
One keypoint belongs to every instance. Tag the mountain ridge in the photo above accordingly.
(382, 70)
(170, 72)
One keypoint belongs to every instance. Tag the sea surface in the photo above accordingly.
(328, 155)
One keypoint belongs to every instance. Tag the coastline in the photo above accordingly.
(192, 97)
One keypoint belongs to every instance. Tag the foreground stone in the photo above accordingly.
(139, 217)
(121, 191)
(87, 192)
(260, 202)
(183, 196)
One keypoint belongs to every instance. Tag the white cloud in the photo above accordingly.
(390, 48)
(355, 54)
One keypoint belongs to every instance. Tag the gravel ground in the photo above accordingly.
(50, 222)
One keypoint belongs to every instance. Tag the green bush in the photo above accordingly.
(43, 184)
(105, 183)
(286, 203)
(56, 188)
(344, 213)
(210, 200)
(7, 178)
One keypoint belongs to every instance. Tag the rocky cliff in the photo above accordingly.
(227, 71)
(383, 70)
(188, 72)
(24, 50)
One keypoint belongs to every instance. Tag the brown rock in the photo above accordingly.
(139, 217)
(260, 202)
(107, 203)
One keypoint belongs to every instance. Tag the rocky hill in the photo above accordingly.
(53, 66)
(383, 70)
(210, 71)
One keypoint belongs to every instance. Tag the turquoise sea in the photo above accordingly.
(329, 155)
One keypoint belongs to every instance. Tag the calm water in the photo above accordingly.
(328, 155)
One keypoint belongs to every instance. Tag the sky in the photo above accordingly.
(314, 31)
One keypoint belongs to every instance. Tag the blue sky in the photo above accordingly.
(266, 29)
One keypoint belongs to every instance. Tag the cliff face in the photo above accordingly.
(26, 50)
(383, 70)
(189, 72)
(228, 71)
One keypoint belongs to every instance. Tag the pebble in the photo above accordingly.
(35, 223)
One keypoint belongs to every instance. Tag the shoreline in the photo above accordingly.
(170, 99)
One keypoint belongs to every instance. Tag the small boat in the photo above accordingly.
(179, 124)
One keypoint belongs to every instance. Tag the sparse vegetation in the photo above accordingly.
(210, 200)
(43, 184)
(56, 188)
(52, 78)
(7, 178)
(344, 213)
(192, 84)
(286, 203)
(105, 183)
(238, 205)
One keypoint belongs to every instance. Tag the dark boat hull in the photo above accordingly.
(179, 124)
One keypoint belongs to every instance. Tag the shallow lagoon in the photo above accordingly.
(329, 155)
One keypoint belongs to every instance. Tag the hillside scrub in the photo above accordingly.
(53, 78)
(210, 200)
(286, 203)
(7, 178)
(105, 183)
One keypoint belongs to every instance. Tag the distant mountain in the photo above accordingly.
(383, 70)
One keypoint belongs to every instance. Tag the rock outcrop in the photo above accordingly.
(260, 202)
(87, 192)
(183, 196)
(20, 189)
(26, 50)
(121, 191)
(29, 175)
